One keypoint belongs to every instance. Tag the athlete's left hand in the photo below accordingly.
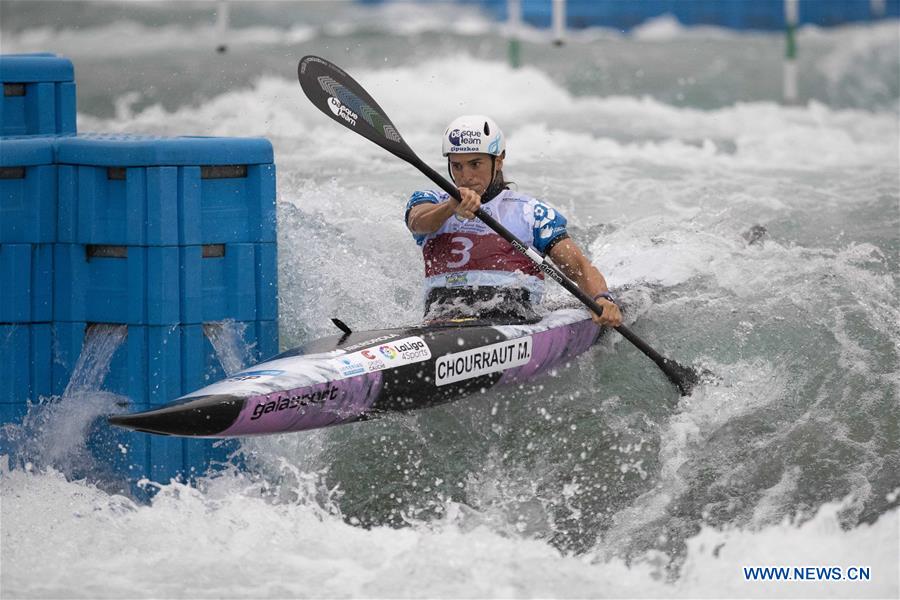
(611, 317)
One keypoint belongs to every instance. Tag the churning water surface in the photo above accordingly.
(753, 239)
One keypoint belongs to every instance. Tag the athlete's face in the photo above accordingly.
(473, 170)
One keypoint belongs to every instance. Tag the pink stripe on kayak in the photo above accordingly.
(552, 348)
(309, 407)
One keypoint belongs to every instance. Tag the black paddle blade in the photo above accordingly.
(340, 97)
(683, 377)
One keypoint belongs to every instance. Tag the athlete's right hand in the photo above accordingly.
(469, 205)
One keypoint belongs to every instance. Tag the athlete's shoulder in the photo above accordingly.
(548, 224)
(432, 196)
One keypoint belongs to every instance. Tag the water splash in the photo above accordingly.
(227, 339)
(55, 430)
(101, 340)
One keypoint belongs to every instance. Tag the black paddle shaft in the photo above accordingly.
(340, 97)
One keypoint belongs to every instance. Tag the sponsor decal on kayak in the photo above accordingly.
(384, 338)
(412, 349)
(384, 356)
(249, 375)
(349, 367)
(294, 401)
(460, 366)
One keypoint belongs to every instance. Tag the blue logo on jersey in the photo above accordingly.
(548, 225)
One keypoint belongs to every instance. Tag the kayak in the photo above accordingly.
(360, 375)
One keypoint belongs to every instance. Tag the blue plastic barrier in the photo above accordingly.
(117, 284)
(28, 192)
(157, 363)
(734, 14)
(165, 237)
(26, 283)
(229, 281)
(25, 359)
(38, 95)
(151, 191)
(130, 457)
(163, 285)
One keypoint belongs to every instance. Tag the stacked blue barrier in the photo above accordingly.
(165, 236)
(38, 95)
(167, 239)
(734, 14)
(28, 197)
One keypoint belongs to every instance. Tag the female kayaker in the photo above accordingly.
(469, 269)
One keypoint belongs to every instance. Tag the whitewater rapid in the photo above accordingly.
(753, 239)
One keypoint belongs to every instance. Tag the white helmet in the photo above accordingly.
(474, 133)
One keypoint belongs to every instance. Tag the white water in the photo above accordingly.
(231, 540)
(585, 487)
(227, 339)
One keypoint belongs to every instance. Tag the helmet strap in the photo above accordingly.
(449, 170)
(496, 186)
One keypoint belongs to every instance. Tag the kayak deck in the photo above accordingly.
(345, 378)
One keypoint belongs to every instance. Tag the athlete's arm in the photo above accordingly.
(428, 217)
(575, 265)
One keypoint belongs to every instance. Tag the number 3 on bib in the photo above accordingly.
(463, 251)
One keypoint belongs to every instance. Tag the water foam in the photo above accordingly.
(235, 539)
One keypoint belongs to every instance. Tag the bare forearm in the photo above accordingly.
(576, 266)
(428, 218)
(586, 276)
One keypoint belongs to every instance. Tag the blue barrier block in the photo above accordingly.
(121, 458)
(26, 283)
(147, 366)
(161, 285)
(227, 209)
(253, 342)
(266, 282)
(117, 284)
(135, 207)
(145, 190)
(185, 459)
(132, 456)
(236, 281)
(38, 95)
(736, 14)
(25, 363)
(200, 456)
(28, 191)
(133, 150)
(11, 440)
(157, 364)
(13, 415)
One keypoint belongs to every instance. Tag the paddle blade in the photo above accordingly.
(683, 377)
(340, 97)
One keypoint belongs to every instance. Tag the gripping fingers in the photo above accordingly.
(469, 204)
(611, 317)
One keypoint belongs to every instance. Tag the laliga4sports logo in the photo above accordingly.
(339, 110)
(410, 349)
(384, 356)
